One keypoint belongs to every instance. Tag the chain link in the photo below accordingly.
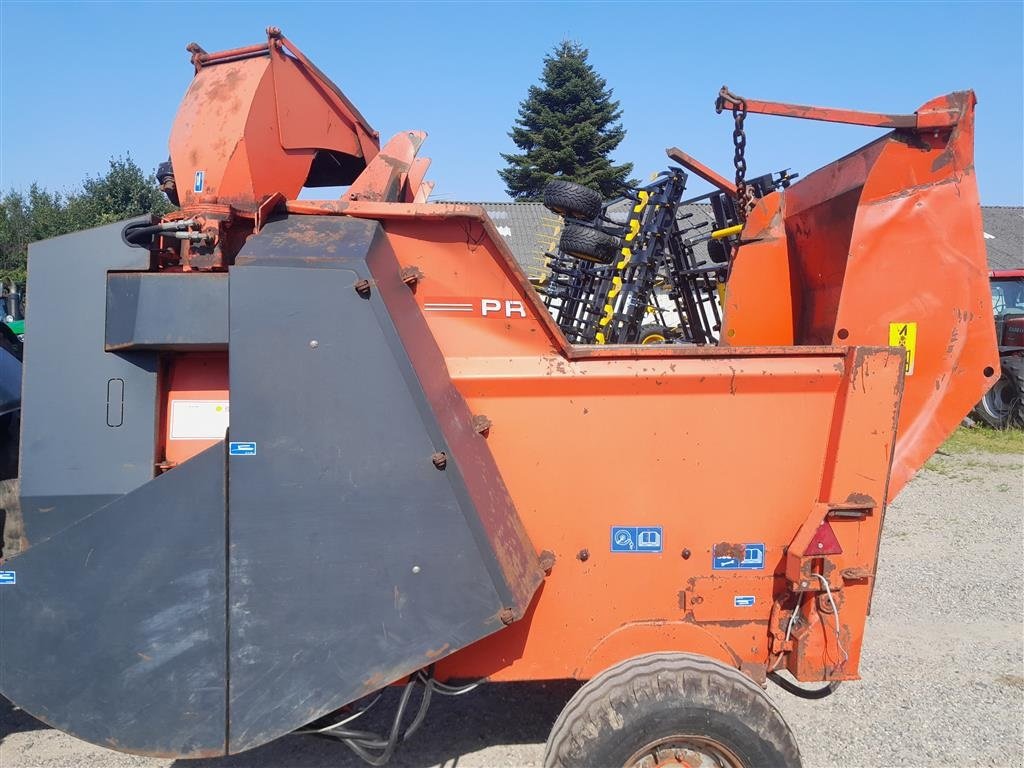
(745, 200)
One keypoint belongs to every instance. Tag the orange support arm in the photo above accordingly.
(696, 167)
(944, 112)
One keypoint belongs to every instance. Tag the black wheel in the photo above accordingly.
(1003, 405)
(10, 444)
(718, 251)
(588, 244)
(668, 709)
(654, 334)
(572, 200)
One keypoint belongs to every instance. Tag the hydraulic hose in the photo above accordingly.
(377, 750)
(803, 693)
(139, 234)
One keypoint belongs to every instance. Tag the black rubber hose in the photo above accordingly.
(364, 743)
(362, 746)
(132, 233)
(803, 693)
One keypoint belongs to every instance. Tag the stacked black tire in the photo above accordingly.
(581, 237)
(573, 201)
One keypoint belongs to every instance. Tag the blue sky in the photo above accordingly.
(83, 82)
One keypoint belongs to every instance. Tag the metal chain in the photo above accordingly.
(739, 141)
(745, 199)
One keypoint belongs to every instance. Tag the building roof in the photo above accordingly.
(1004, 236)
(530, 230)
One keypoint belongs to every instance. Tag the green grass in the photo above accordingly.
(971, 444)
(984, 440)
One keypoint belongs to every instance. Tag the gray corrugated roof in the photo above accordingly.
(530, 230)
(1004, 236)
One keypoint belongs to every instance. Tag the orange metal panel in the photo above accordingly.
(210, 123)
(199, 378)
(414, 180)
(853, 495)
(252, 122)
(651, 436)
(889, 235)
(762, 305)
(307, 120)
(385, 177)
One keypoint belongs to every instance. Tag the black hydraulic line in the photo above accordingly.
(803, 693)
(139, 234)
(377, 750)
(362, 743)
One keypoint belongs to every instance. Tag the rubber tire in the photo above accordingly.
(588, 244)
(650, 330)
(571, 200)
(1011, 382)
(719, 252)
(660, 695)
(1013, 366)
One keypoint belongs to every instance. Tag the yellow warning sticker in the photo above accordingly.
(905, 335)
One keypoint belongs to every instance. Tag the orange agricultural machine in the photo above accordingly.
(301, 451)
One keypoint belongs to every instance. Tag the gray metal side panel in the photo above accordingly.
(114, 631)
(351, 560)
(67, 449)
(168, 310)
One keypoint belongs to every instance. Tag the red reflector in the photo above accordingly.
(824, 542)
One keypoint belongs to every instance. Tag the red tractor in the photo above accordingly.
(1003, 405)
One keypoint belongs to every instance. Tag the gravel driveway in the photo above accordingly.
(943, 662)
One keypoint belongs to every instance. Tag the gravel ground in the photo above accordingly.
(943, 663)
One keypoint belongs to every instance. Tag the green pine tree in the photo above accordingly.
(567, 127)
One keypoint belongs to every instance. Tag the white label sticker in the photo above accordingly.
(199, 419)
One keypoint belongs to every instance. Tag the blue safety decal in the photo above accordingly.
(8, 577)
(242, 449)
(753, 559)
(636, 538)
(200, 181)
(743, 601)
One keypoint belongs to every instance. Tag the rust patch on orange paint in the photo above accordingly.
(726, 549)
(860, 498)
(433, 653)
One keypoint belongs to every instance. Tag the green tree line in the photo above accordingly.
(124, 191)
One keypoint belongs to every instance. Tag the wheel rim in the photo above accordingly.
(999, 400)
(688, 751)
(654, 338)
